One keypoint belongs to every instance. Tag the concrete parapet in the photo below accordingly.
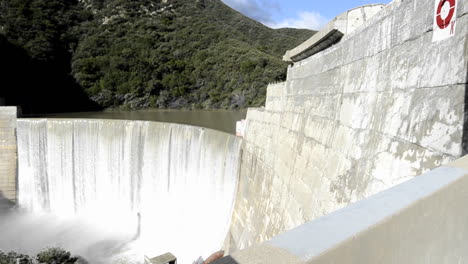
(420, 221)
(333, 31)
(8, 154)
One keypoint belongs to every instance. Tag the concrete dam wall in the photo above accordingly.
(8, 155)
(379, 107)
(178, 181)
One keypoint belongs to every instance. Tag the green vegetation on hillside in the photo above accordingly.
(141, 53)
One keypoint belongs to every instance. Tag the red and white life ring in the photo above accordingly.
(444, 22)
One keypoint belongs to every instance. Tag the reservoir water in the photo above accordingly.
(222, 120)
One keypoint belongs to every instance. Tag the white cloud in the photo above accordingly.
(260, 10)
(265, 11)
(309, 20)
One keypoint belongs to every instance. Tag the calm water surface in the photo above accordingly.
(223, 120)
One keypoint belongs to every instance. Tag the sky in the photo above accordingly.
(311, 14)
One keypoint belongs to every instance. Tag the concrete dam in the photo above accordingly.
(325, 172)
(375, 98)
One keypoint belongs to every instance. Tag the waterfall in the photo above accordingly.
(180, 180)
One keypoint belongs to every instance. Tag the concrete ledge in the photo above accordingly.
(333, 31)
(423, 220)
(320, 41)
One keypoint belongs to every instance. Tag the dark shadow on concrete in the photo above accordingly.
(225, 260)
(465, 122)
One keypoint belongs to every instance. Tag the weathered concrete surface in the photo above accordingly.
(333, 31)
(8, 153)
(383, 105)
(420, 221)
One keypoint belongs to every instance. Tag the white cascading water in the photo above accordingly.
(179, 180)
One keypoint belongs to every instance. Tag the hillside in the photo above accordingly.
(138, 54)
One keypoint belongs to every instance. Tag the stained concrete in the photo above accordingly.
(8, 154)
(380, 107)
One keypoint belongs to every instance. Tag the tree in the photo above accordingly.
(47, 256)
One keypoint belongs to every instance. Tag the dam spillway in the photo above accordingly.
(180, 179)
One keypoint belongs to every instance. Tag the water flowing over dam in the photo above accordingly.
(172, 186)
